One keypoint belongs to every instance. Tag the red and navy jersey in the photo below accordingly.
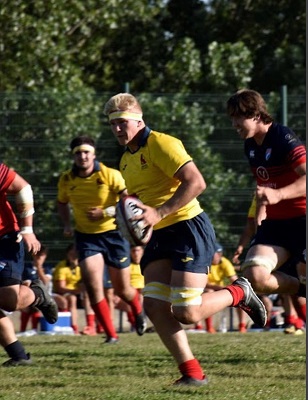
(273, 164)
(8, 221)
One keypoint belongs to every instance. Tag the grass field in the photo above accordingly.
(263, 366)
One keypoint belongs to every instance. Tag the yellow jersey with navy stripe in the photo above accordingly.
(100, 189)
(136, 277)
(253, 208)
(63, 272)
(219, 272)
(149, 173)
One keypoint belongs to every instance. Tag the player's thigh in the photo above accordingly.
(188, 279)
(92, 269)
(9, 297)
(158, 271)
(275, 255)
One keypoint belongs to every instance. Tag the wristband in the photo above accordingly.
(26, 229)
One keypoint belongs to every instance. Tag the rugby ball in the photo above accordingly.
(134, 231)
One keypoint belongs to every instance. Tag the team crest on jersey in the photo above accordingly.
(143, 162)
(252, 154)
(268, 154)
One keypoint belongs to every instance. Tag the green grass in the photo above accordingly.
(263, 366)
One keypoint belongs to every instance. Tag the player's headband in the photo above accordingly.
(125, 115)
(84, 147)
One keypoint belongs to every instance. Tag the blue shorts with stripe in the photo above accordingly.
(189, 244)
(11, 260)
(114, 248)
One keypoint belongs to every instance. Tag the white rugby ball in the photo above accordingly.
(134, 231)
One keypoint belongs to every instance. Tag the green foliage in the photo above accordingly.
(230, 65)
(60, 61)
(157, 46)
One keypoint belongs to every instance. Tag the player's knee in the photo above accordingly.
(258, 277)
(187, 315)
(257, 261)
(186, 303)
(156, 296)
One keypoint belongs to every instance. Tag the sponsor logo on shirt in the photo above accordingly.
(143, 162)
(268, 154)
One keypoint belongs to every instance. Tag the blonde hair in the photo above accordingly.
(122, 102)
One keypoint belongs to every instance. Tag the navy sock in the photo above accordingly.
(16, 351)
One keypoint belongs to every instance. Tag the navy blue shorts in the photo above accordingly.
(287, 233)
(107, 280)
(115, 249)
(190, 245)
(11, 260)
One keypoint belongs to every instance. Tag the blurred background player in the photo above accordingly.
(92, 190)
(67, 283)
(136, 280)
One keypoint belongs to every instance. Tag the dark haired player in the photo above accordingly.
(277, 159)
(92, 190)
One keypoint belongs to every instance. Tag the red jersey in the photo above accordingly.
(8, 220)
(273, 163)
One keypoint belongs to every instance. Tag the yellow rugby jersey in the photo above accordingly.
(101, 189)
(63, 272)
(253, 208)
(219, 272)
(136, 278)
(149, 173)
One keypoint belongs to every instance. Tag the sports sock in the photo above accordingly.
(90, 318)
(75, 328)
(24, 318)
(209, 324)
(35, 318)
(99, 327)
(301, 311)
(102, 313)
(242, 325)
(135, 303)
(298, 323)
(16, 351)
(237, 293)
(290, 319)
(192, 369)
(131, 318)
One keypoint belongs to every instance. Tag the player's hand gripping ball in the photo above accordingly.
(134, 231)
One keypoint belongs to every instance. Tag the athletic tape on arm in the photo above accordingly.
(24, 201)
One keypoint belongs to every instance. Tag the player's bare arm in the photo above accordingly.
(64, 213)
(266, 195)
(24, 203)
(192, 185)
